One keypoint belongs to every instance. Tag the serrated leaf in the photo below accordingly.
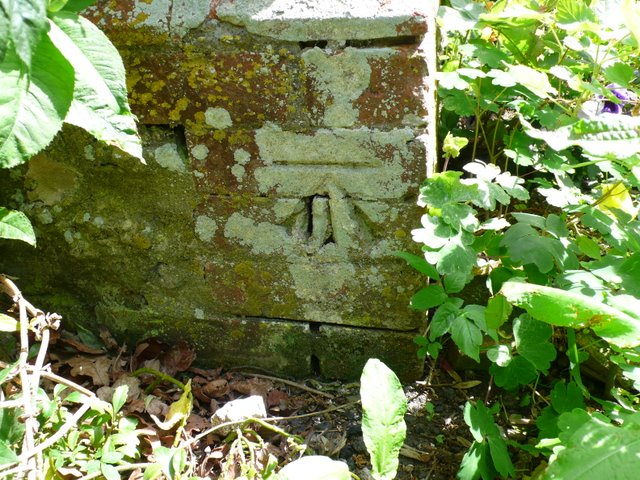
(526, 246)
(619, 73)
(100, 104)
(419, 264)
(428, 297)
(383, 408)
(571, 309)
(32, 106)
(443, 317)
(456, 257)
(315, 467)
(532, 79)
(519, 371)
(15, 225)
(532, 341)
(28, 26)
(467, 336)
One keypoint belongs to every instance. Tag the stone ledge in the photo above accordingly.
(298, 20)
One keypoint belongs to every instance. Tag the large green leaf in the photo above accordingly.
(383, 408)
(532, 341)
(572, 309)
(15, 225)
(615, 136)
(596, 449)
(32, 105)
(27, 25)
(100, 103)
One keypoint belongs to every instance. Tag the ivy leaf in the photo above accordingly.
(467, 336)
(532, 341)
(15, 225)
(519, 371)
(100, 104)
(32, 106)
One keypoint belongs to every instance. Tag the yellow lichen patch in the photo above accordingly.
(181, 106)
(219, 135)
(157, 86)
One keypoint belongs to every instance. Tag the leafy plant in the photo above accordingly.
(535, 210)
(57, 67)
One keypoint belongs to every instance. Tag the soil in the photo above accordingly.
(437, 436)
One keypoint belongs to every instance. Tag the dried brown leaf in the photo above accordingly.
(97, 368)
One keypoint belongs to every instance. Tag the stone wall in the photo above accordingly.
(285, 142)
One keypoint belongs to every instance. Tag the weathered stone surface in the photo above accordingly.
(283, 162)
(395, 349)
(301, 20)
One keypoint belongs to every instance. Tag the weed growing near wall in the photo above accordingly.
(539, 115)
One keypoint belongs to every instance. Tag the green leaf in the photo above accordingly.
(615, 136)
(119, 398)
(315, 467)
(519, 371)
(596, 449)
(443, 317)
(109, 472)
(4, 373)
(477, 463)
(383, 408)
(152, 471)
(5, 26)
(15, 225)
(526, 246)
(428, 297)
(100, 104)
(619, 73)
(8, 324)
(456, 257)
(532, 341)
(467, 336)
(500, 355)
(452, 145)
(77, 5)
(589, 247)
(532, 79)
(7, 455)
(497, 311)
(32, 106)
(571, 309)
(631, 18)
(28, 26)
(179, 410)
(419, 264)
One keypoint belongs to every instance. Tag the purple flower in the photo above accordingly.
(622, 94)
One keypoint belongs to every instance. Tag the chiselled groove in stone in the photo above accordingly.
(329, 163)
(320, 325)
(384, 42)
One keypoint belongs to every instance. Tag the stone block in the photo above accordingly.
(368, 294)
(213, 91)
(280, 347)
(365, 86)
(360, 163)
(301, 20)
(342, 352)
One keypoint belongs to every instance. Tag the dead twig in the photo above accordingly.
(290, 383)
